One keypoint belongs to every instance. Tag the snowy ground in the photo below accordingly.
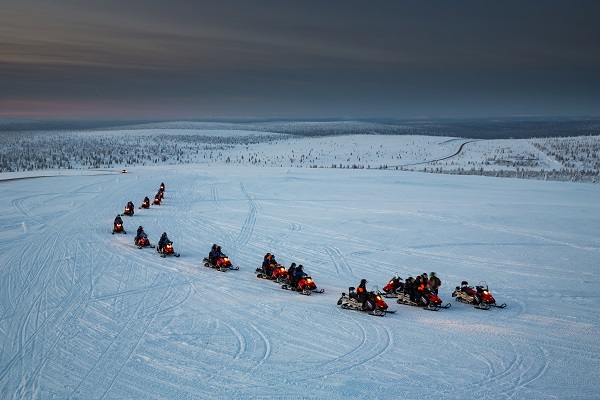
(86, 315)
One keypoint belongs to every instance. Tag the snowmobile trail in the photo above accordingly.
(342, 267)
(250, 222)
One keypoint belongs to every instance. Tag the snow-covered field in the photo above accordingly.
(341, 144)
(86, 315)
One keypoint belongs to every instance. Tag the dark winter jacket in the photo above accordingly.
(435, 283)
(163, 241)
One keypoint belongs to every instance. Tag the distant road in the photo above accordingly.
(437, 159)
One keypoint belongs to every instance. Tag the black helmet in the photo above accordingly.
(363, 281)
(300, 266)
(164, 233)
(293, 265)
(140, 227)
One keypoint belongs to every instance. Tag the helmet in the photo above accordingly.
(431, 274)
(300, 266)
(140, 227)
(363, 281)
(293, 265)
(164, 233)
(218, 247)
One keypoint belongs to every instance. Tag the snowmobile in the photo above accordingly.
(145, 204)
(280, 274)
(393, 287)
(281, 271)
(157, 200)
(143, 241)
(167, 250)
(428, 300)
(305, 285)
(118, 228)
(479, 296)
(223, 266)
(162, 187)
(128, 210)
(374, 305)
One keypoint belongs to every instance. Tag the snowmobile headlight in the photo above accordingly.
(378, 297)
(309, 280)
(486, 292)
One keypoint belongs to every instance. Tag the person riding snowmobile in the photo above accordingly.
(434, 282)
(219, 256)
(298, 274)
(268, 264)
(118, 220)
(409, 288)
(361, 292)
(290, 273)
(163, 241)
(140, 234)
(211, 255)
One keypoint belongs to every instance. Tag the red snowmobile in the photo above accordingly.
(278, 271)
(393, 287)
(305, 285)
(479, 296)
(374, 305)
(129, 210)
(143, 241)
(222, 264)
(145, 203)
(167, 250)
(426, 299)
(157, 200)
(118, 228)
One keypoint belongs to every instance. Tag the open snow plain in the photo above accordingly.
(87, 315)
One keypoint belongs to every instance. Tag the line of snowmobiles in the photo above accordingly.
(142, 241)
(371, 302)
(480, 296)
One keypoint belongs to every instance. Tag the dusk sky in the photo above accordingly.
(299, 59)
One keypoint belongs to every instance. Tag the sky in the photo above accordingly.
(298, 59)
